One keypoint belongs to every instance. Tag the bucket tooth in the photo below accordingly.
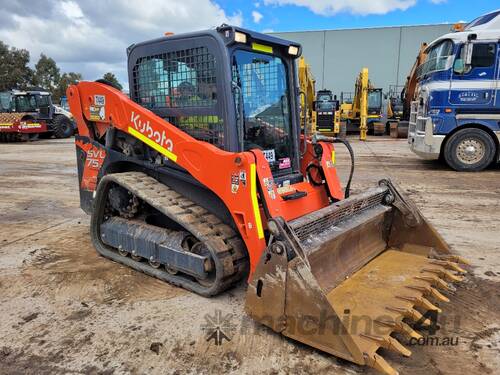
(400, 327)
(434, 281)
(410, 313)
(448, 265)
(380, 364)
(451, 258)
(448, 276)
(421, 302)
(429, 290)
(389, 343)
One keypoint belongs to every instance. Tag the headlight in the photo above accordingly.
(293, 50)
(240, 37)
(434, 112)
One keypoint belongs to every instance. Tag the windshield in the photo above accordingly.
(25, 103)
(375, 99)
(5, 100)
(324, 97)
(266, 109)
(439, 57)
(325, 105)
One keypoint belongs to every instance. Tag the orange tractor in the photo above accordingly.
(203, 178)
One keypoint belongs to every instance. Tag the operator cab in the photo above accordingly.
(374, 101)
(38, 102)
(229, 86)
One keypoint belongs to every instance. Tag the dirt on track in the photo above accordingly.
(64, 309)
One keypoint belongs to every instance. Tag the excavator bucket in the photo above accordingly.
(345, 278)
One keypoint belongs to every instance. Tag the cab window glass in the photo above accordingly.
(178, 79)
(181, 85)
(483, 55)
(43, 101)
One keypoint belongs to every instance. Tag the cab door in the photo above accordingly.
(44, 105)
(476, 85)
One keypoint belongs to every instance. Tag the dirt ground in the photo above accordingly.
(64, 309)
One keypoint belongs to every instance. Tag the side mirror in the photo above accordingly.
(314, 106)
(458, 66)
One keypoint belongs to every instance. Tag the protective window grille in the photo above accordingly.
(263, 84)
(179, 83)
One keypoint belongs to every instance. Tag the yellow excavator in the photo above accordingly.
(362, 112)
(307, 85)
(319, 110)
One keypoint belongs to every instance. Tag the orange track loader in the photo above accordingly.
(203, 178)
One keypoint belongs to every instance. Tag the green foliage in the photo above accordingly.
(16, 74)
(14, 69)
(67, 79)
(47, 74)
(110, 77)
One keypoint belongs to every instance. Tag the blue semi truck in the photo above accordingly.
(456, 115)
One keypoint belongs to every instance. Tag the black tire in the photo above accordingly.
(63, 127)
(469, 150)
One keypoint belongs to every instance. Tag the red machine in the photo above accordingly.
(203, 177)
(20, 126)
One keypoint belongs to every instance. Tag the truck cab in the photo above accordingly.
(456, 116)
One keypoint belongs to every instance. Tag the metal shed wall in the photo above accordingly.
(337, 56)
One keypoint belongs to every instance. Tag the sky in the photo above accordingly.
(91, 36)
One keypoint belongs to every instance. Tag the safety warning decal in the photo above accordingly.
(284, 163)
(269, 184)
(235, 182)
(98, 110)
(97, 113)
(243, 178)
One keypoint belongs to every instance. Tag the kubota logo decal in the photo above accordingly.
(144, 127)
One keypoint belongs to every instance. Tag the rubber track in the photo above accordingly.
(220, 238)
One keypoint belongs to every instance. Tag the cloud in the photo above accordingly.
(91, 36)
(256, 16)
(438, 1)
(362, 7)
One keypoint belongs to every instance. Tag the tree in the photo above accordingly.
(47, 74)
(67, 79)
(14, 69)
(110, 77)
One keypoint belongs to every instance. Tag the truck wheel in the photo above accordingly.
(63, 128)
(469, 150)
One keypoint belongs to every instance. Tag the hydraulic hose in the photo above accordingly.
(322, 138)
(351, 173)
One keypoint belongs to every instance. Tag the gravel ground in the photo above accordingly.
(64, 309)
